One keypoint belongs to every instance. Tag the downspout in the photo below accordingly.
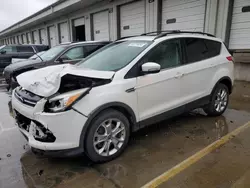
(229, 22)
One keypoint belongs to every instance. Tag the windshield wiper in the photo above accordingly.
(39, 57)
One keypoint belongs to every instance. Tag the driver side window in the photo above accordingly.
(73, 54)
(166, 54)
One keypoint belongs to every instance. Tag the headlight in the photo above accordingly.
(63, 102)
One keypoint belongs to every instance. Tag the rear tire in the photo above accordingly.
(108, 136)
(219, 101)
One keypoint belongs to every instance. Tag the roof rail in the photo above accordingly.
(127, 37)
(179, 32)
(159, 32)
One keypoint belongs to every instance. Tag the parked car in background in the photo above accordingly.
(134, 82)
(34, 57)
(64, 53)
(18, 51)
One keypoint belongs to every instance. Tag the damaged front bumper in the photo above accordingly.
(48, 132)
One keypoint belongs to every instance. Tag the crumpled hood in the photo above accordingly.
(46, 81)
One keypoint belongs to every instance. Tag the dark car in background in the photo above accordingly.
(70, 53)
(18, 51)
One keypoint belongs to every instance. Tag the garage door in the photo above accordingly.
(240, 29)
(43, 39)
(183, 15)
(79, 21)
(24, 39)
(29, 38)
(52, 36)
(132, 19)
(64, 32)
(36, 37)
(13, 40)
(19, 39)
(101, 26)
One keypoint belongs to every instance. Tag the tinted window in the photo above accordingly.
(9, 49)
(167, 54)
(73, 54)
(27, 49)
(42, 48)
(214, 48)
(201, 49)
(90, 49)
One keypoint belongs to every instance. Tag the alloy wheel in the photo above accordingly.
(221, 100)
(109, 137)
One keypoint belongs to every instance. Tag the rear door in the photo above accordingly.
(199, 68)
(24, 52)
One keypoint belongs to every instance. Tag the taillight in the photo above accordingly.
(230, 58)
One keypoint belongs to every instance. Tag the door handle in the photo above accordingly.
(178, 75)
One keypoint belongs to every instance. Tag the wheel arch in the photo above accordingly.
(121, 107)
(226, 81)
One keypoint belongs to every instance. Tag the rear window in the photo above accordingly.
(201, 49)
(42, 48)
(27, 49)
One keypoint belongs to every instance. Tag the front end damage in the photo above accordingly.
(48, 120)
(37, 130)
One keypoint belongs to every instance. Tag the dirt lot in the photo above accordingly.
(151, 152)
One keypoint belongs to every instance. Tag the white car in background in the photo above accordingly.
(93, 107)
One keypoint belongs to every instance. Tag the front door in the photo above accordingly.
(160, 92)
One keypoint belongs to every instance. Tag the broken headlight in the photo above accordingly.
(63, 102)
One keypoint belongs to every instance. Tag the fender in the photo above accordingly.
(95, 112)
(221, 80)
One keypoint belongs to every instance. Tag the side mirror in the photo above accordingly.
(3, 52)
(151, 68)
(60, 60)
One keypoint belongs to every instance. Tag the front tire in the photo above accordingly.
(108, 136)
(219, 101)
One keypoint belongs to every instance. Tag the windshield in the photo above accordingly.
(52, 53)
(115, 56)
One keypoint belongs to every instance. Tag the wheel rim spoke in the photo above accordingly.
(111, 138)
(117, 129)
(223, 94)
(221, 100)
(115, 142)
(105, 149)
(100, 138)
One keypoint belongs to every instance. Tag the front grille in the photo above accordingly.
(27, 97)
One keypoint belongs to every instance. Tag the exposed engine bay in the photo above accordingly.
(72, 82)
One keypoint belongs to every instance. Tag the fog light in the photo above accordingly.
(40, 133)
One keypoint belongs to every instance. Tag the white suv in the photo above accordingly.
(93, 107)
